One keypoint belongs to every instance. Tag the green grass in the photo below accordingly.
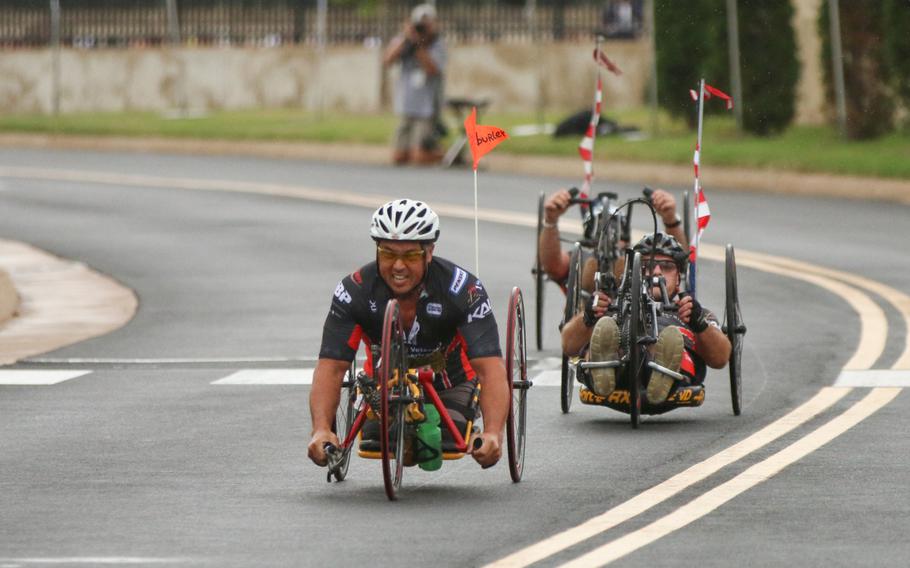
(802, 148)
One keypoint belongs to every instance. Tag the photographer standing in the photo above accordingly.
(418, 94)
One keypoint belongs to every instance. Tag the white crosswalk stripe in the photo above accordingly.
(268, 377)
(873, 378)
(34, 377)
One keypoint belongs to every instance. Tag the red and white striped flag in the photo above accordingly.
(586, 147)
(702, 211)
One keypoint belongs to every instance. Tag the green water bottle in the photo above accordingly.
(429, 454)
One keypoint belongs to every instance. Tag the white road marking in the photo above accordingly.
(673, 486)
(547, 378)
(746, 480)
(268, 377)
(874, 378)
(37, 377)
(95, 560)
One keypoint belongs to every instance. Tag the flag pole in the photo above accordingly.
(697, 189)
(476, 231)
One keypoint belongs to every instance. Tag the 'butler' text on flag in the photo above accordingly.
(482, 138)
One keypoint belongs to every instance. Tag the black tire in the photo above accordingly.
(636, 357)
(573, 304)
(735, 329)
(344, 418)
(391, 414)
(517, 372)
(539, 276)
(687, 229)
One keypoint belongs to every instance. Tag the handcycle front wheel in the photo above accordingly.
(636, 358)
(517, 374)
(392, 406)
(539, 276)
(573, 306)
(735, 329)
(344, 420)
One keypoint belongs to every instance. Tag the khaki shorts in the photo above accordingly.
(414, 134)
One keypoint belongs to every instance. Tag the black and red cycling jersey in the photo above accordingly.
(454, 321)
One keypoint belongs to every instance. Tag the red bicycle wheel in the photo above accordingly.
(391, 412)
(517, 373)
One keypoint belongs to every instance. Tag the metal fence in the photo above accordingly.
(135, 23)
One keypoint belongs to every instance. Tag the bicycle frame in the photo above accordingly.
(424, 378)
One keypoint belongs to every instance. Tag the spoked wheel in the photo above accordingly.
(735, 330)
(539, 276)
(391, 420)
(517, 372)
(344, 419)
(636, 359)
(573, 301)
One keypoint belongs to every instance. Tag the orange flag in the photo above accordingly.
(482, 138)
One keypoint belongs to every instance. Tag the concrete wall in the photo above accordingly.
(207, 78)
(517, 78)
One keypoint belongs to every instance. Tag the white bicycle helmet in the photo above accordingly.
(405, 220)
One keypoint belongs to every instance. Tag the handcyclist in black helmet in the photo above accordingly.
(688, 339)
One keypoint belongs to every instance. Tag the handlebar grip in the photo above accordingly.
(647, 192)
(574, 191)
(477, 443)
(329, 448)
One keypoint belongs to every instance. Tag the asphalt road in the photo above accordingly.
(145, 461)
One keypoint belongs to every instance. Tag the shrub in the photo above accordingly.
(870, 109)
(691, 44)
(769, 65)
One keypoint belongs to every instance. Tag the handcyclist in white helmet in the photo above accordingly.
(448, 322)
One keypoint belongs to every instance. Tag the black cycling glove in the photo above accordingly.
(698, 319)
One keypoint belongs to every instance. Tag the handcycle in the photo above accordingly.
(395, 395)
(637, 315)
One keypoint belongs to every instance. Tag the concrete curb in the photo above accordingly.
(62, 302)
(9, 298)
(655, 174)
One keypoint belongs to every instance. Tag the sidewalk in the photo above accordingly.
(61, 302)
(655, 174)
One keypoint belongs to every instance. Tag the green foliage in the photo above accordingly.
(870, 109)
(769, 66)
(897, 47)
(691, 44)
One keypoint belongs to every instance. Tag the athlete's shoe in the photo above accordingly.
(668, 354)
(604, 347)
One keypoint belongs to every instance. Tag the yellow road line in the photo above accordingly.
(873, 323)
(896, 298)
(676, 484)
(762, 471)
